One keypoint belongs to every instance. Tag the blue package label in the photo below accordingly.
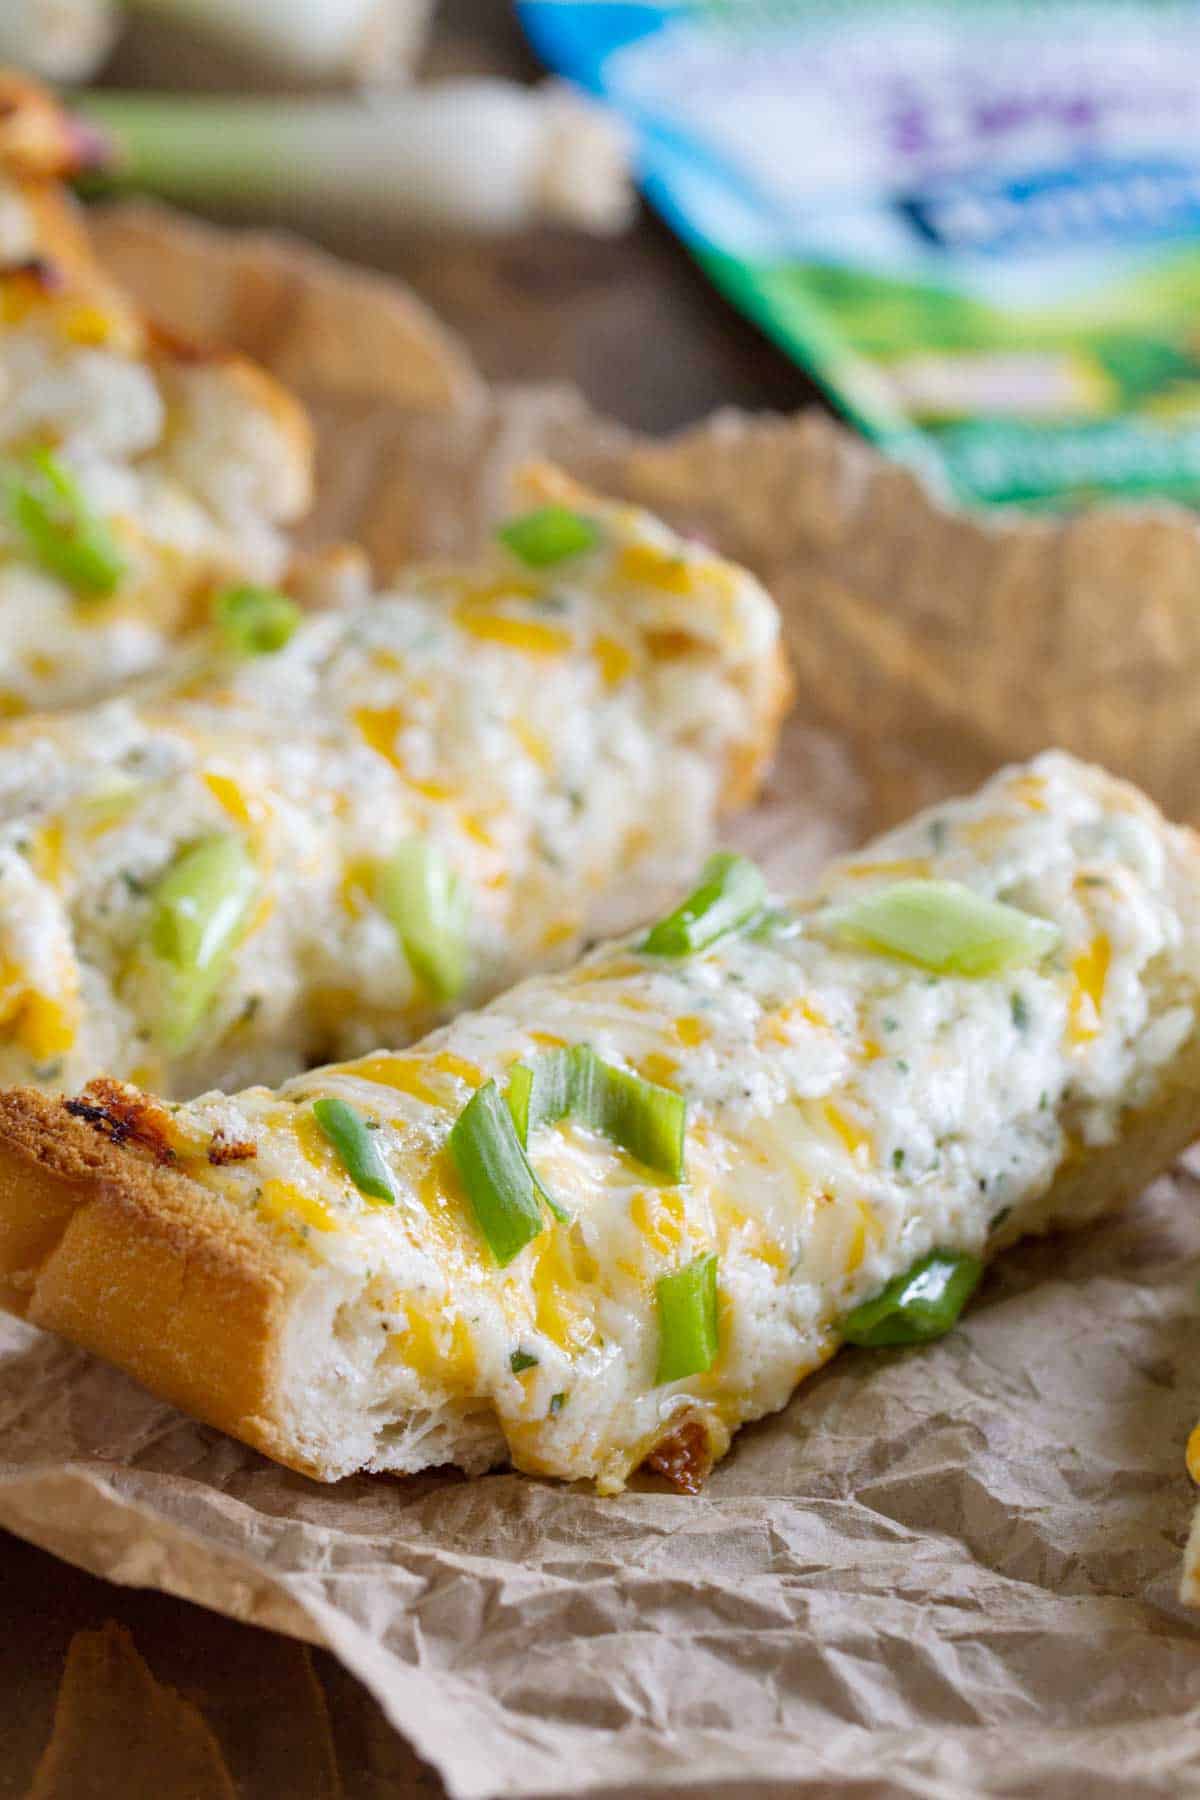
(977, 223)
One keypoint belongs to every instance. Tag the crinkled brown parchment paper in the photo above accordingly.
(942, 1572)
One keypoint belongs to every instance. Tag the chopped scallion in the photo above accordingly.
(429, 907)
(357, 1150)
(199, 909)
(917, 1306)
(500, 1186)
(550, 535)
(520, 1360)
(519, 1096)
(646, 1120)
(731, 893)
(521, 1087)
(943, 926)
(549, 1089)
(254, 621)
(64, 535)
(687, 1320)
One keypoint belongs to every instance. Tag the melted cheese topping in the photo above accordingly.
(176, 460)
(847, 1113)
(550, 782)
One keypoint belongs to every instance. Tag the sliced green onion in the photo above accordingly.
(429, 907)
(505, 155)
(547, 1091)
(648, 1121)
(347, 1131)
(64, 535)
(520, 1360)
(731, 893)
(500, 1185)
(518, 1099)
(687, 1320)
(922, 1304)
(199, 909)
(201, 900)
(254, 621)
(943, 926)
(548, 536)
(519, 1095)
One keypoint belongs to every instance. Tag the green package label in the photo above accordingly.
(977, 223)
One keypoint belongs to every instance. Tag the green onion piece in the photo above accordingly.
(254, 621)
(429, 907)
(943, 926)
(64, 535)
(356, 1147)
(199, 909)
(521, 1080)
(519, 1096)
(922, 1304)
(546, 1092)
(687, 1320)
(646, 1120)
(549, 535)
(520, 1360)
(501, 1187)
(732, 892)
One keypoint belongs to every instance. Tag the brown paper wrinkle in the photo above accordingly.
(938, 1573)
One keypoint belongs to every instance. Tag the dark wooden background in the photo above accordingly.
(633, 324)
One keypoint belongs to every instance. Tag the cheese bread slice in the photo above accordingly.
(313, 836)
(138, 476)
(622, 1210)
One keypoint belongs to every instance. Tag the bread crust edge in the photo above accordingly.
(141, 1265)
(159, 1275)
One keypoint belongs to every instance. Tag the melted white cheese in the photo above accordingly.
(513, 720)
(179, 464)
(847, 1113)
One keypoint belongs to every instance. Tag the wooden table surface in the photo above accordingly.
(153, 1684)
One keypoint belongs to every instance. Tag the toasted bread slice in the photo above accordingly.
(187, 460)
(861, 1115)
(551, 743)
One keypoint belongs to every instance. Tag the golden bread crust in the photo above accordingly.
(144, 1267)
(64, 248)
(139, 1263)
(749, 762)
(37, 137)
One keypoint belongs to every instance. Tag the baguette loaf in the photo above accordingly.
(982, 1026)
(545, 740)
(188, 460)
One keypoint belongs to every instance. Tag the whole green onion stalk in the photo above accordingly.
(60, 40)
(313, 41)
(472, 155)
